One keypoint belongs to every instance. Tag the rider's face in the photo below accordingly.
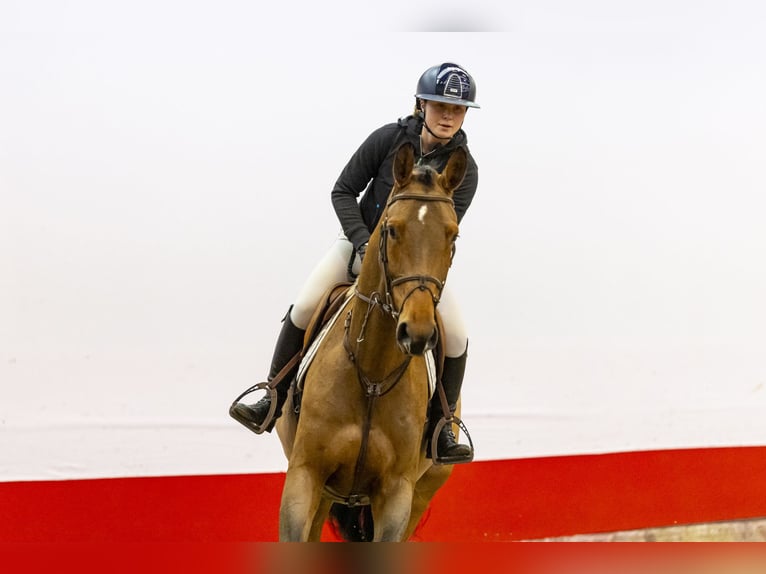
(444, 119)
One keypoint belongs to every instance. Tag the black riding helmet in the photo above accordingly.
(447, 83)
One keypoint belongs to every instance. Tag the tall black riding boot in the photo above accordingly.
(289, 343)
(448, 450)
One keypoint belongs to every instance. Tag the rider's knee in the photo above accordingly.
(455, 344)
(300, 314)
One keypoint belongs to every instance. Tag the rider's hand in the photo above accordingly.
(361, 250)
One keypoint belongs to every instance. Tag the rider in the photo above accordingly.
(444, 94)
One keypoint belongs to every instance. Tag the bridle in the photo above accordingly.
(387, 305)
(422, 282)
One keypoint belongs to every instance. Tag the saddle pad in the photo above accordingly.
(312, 350)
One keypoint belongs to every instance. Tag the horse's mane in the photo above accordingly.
(425, 174)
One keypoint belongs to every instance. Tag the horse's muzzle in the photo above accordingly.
(416, 341)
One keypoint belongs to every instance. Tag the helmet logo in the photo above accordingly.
(453, 81)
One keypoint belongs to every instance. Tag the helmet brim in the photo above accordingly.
(448, 100)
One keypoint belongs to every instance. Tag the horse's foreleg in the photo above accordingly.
(300, 499)
(391, 508)
(320, 517)
(425, 489)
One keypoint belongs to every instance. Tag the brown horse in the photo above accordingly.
(359, 441)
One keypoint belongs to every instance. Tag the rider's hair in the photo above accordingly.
(418, 110)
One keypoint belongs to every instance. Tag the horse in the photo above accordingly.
(357, 448)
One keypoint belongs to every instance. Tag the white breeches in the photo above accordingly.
(333, 268)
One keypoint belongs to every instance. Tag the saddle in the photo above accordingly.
(331, 301)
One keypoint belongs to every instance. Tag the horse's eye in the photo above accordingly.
(392, 233)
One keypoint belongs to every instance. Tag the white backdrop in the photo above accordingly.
(165, 170)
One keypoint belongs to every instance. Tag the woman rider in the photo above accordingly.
(444, 94)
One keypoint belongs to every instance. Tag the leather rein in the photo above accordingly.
(378, 388)
(387, 305)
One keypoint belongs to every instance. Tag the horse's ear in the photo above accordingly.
(404, 162)
(453, 173)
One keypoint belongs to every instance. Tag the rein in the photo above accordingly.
(374, 389)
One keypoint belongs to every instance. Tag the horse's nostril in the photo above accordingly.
(401, 333)
(434, 339)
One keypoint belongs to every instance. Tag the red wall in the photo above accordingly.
(483, 501)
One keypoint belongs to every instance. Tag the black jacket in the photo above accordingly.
(370, 169)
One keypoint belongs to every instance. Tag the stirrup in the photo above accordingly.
(268, 423)
(442, 460)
